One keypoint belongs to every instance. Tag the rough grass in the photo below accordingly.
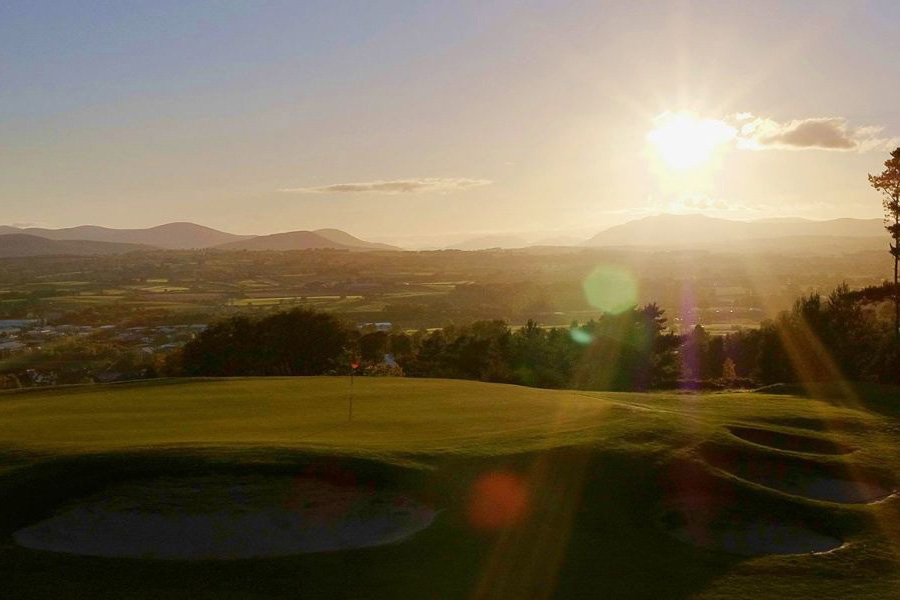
(601, 473)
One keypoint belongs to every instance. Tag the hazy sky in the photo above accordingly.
(393, 118)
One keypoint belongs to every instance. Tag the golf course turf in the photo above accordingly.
(529, 493)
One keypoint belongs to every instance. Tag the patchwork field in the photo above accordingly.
(251, 488)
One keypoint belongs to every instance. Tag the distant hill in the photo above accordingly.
(490, 241)
(188, 236)
(702, 231)
(173, 236)
(345, 239)
(305, 240)
(837, 227)
(22, 244)
(558, 240)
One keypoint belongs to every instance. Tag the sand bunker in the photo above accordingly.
(788, 441)
(801, 477)
(820, 487)
(755, 538)
(227, 518)
(725, 524)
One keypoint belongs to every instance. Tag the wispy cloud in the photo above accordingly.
(441, 185)
(822, 133)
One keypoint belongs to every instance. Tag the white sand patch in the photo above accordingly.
(228, 518)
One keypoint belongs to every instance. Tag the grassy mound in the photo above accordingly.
(789, 441)
(536, 493)
(830, 481)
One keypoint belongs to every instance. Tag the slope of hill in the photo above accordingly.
(700, 230)
(844, 227)
(349, 241)
(173, 236)
(21, 245)
(304, 240)
(557, 493)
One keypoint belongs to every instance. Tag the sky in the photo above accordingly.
(393, 120)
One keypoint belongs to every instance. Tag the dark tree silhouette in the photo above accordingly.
(373, 346)
(298, 342)
(888, 183)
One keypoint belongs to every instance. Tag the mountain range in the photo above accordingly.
(305, 240)
(91, 239)
(697, 231)
(23, 244)
(172, 236)
(660, 232)
(679, 231)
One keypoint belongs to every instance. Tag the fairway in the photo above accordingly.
(528, 492)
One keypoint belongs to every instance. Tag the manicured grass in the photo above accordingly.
(600, 473)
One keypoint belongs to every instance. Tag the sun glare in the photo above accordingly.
(684, 141)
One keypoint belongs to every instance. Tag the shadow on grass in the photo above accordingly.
(591, 529)
(880, 399)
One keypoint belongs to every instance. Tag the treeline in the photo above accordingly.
(632, 350)
(841, 336)
(845, 335)
(79, 360)
(296, 342)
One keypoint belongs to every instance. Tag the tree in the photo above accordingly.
(631, 350)
(694, 352)
(888, 183)
(298, 342)
(729, 373)
(373, 346)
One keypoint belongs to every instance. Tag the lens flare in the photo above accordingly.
(580, 336)
(498, 500)
(611, 289)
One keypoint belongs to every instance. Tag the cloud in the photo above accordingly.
(442, 185)
(831, 134)
(822, 133)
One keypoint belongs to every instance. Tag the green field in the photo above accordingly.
(607, 480)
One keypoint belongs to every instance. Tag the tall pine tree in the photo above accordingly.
(888, 183)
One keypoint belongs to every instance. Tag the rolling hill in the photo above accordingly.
(349, 241)
(180, 236)
(305, 240)
(171, 236)
(668, 230)
(14, 245)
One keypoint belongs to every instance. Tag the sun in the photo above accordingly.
(684, 141)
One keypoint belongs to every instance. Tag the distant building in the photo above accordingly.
(11, 347)
(381, 326)
(18, 323)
